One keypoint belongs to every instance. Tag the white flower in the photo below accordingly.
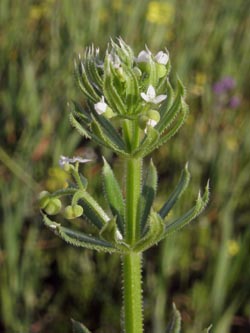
(101, 106)
(162, 58)
(150, 96)
(66, 160)
(144, 56)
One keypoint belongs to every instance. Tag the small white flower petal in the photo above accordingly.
(145, 97)
(66, 160)
(159, 99)
(151, 122)
(101, 106)
(143, 56)
(151, 92)
(162, 58)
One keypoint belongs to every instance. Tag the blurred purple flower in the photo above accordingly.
(224, 85)
(234, 102)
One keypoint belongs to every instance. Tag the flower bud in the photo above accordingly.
(53, 206)
(72, 212)
(43, 199)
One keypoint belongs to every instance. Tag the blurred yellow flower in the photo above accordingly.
(160, 13)
(200, 80)
(232, 144)
(117, 5)
(57, 179)
(233, 247)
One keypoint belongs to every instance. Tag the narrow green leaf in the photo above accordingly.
(79, 327)
(175, 128)
(148, 195)
(169, 116)
(190, 215)
(176, 194)
(114, 195)
(150, 140)
(105, 139)
(132, 89)
(110, 131)
(91, 68)
(84, 83)
(155, 231)
(109, 231)
(81, 130)
(92, 210)
(174, 325)
(78, 239)
(110, 92)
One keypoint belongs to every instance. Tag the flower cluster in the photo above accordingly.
(130, 99)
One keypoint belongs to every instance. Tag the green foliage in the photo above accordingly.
(206, 44)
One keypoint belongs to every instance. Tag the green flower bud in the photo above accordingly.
(53, 206)
(72, 212)
(43, 199)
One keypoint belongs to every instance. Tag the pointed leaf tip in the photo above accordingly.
(79, 327)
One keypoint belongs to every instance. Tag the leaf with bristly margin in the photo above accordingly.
(154, 233)
(110, 231)
(80, 112)
(148, 195)
(174, 326)
(105, 139)
(169, 116)
(81, 130)
(175, 127)
(79, 327)
(176, 194)
(181, 222)
(110, 92)
(84, 82)
(110, 131)
(132, 89)
(114, 195)
(91, 68)
(150, 140)
(167, 103)
(78, 239)
(92, 210)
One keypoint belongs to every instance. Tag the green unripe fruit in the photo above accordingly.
(43, 199)
(143, 119)
(72, 212)
(53, 206)
(154, 115)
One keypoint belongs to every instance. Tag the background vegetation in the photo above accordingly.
(204, 269)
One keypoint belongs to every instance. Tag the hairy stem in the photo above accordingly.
(133, 191)
(132, 289)
(132, 293)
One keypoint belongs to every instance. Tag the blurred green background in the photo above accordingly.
(205, 268)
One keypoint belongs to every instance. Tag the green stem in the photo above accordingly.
(133, 192)
(132, 293)
(132, 289)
